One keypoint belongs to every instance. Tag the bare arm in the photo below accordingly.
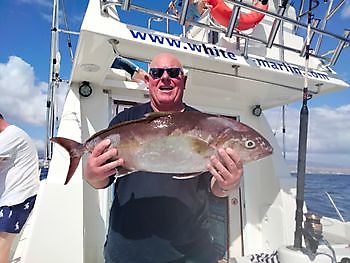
(97, 171)
(227, 171)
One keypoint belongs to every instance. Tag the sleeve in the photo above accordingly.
(8, 145)
(120, 117)
(4, 149)
(125, 64)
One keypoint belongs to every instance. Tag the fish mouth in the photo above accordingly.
(166, 88)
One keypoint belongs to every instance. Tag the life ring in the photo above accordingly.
(222, 14)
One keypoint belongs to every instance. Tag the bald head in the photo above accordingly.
(166, 83)
(165, 59)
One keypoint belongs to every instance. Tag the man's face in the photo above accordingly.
(166, 87)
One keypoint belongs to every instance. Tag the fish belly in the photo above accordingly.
(172, 154)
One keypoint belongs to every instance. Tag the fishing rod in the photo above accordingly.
(303, 130)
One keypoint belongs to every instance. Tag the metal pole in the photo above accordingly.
(52, 78)
(303, 129)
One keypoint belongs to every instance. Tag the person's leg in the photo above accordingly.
(6, 240)
(12, 220)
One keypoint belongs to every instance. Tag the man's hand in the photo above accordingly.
(97, 170)
(227, 170)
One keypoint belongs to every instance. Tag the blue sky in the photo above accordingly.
(24, 69)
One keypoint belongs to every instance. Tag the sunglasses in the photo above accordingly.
(157, 73)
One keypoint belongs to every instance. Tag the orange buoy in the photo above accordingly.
(222, 14)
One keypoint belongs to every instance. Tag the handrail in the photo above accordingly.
(160, 19)
(233, 21)
(287, 19)
(344, 40)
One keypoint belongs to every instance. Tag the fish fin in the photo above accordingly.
(155, 115)
(75, 150)
(148, 117)
(187, 176)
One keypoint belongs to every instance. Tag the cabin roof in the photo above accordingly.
(217, 75)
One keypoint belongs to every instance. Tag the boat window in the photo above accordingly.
(121, 105)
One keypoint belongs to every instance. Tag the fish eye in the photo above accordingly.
(249, 144)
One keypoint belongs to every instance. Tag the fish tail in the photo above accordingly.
(75, 150)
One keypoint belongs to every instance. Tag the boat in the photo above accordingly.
(230, 72)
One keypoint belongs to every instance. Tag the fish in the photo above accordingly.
(172, 142)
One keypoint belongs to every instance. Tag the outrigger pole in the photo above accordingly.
(303, 129)
(53, 82)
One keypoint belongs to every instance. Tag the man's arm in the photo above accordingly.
(97, 170)
(227, 170)
(221, 192)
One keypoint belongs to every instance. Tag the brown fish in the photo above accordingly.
(172, 142)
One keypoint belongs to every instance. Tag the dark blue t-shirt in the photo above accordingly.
(155, 218)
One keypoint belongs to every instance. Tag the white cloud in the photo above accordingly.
(328, 136)
(46, 12)
(330, 130)
(40, 145)
(46, 3)
(48, 17)
(22, 98)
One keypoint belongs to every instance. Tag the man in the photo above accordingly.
(155, 218)
(19, 183)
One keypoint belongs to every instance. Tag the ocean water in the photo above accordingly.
(337, 186)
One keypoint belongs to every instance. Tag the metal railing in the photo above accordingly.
(329, 57)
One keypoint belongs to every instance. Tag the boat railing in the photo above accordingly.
(329, 57)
